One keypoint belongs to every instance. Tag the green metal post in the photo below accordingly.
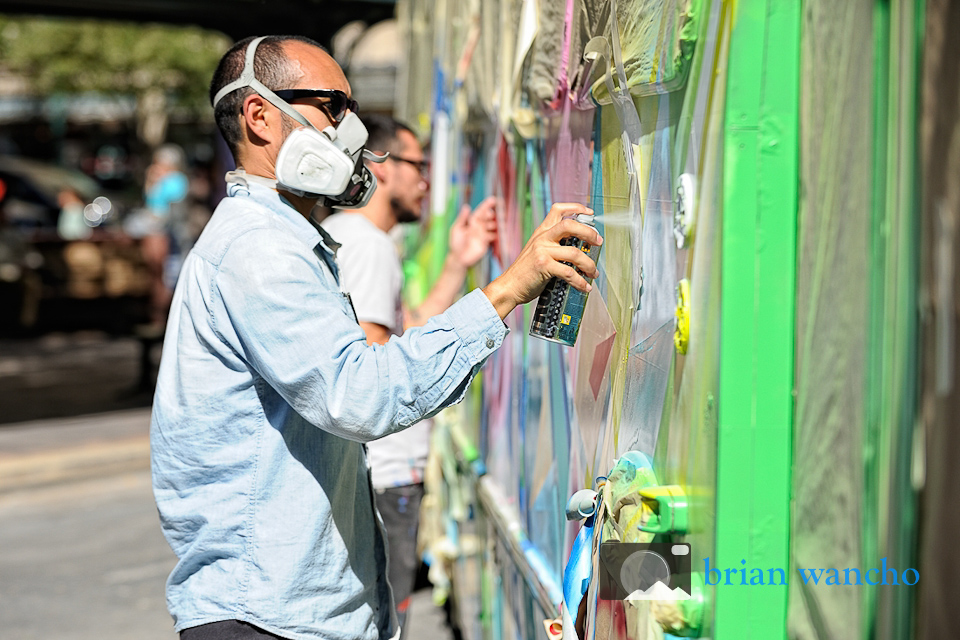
(873, 373)
(900, 211)
(758, 285)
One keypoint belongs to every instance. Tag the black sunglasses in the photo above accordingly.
(336, 105)
(423, 166)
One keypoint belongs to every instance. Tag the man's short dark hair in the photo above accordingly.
(270, 66)
(383, 132)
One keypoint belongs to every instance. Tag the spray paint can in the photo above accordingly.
(560, 307)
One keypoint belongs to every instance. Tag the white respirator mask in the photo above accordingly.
(327, 164)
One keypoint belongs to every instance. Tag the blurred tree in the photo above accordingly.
(163, 66)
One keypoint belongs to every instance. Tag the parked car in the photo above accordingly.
(33, 189)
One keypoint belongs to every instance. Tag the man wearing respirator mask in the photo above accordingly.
(267, 389)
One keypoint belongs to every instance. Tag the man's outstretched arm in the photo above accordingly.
(301, 338)
(470, 239)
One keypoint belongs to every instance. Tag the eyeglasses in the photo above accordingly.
(423, 166)
(336, 105)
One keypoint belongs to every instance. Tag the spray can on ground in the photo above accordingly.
(560, 307)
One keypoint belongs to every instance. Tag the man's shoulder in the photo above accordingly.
(241, 218)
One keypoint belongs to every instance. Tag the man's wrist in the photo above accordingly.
(454, 264)
(500, 297)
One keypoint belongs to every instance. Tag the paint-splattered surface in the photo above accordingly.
(524, 124)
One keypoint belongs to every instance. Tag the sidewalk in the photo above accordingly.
(44, 452)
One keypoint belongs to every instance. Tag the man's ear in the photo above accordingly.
(380, 171)
(259, 119)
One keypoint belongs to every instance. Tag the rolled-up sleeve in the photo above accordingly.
(298, 334)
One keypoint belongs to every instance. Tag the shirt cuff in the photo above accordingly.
(480, 332)
(478, 324)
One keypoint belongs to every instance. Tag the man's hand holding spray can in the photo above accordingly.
(561, 255)
(560, 307)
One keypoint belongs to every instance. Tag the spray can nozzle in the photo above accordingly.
(586, 218)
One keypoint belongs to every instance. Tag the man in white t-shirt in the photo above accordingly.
(371, 272)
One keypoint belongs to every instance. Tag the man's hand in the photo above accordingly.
(542, 258)
(472, 233)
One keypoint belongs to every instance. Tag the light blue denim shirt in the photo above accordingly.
(266, 392)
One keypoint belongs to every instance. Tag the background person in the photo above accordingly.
(71, 224)
(165, 186)
(371, 272)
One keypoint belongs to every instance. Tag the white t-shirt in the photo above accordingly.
(371, 272)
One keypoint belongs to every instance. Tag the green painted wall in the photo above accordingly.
(757, 314)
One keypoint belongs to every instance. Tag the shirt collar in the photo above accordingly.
(305, 230)
(326, 240)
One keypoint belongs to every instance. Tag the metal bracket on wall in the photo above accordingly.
(669, 506)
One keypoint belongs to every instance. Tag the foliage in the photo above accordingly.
(61, 55)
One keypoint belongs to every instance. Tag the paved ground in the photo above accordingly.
(81, 553)
(86, 561)
(83, 561)
(45, 452)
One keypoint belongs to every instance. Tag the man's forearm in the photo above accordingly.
(540, 259)
(444, 293)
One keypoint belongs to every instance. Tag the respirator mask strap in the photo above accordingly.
(248, 79)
